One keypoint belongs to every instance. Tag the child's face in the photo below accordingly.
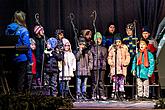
(67, 47)
(143, 45)
(33, 46)
(48, 45)
(129, 32)
(118, 42)
(81, 46)
(99, 41)
(60, 35)
(145, 35)
(112, 29)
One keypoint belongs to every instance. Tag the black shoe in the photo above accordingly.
(84, 96)
(146, 99)
(122, 96)
(140, 98)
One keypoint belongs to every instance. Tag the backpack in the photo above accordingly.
(13, 34)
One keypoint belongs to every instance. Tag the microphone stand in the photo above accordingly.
(72, 16)
(116, 94)
(134, 84)
(43, 56)
(94, 16)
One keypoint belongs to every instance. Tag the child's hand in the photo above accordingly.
(149, 75)
(134, 73)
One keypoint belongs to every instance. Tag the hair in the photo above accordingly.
(144, 40)
(107, 29)
(20, 18)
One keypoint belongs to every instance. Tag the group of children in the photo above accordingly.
(126, 56)
(54, 63)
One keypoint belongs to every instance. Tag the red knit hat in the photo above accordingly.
(38, 30)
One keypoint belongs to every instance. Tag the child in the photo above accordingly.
(69, 66)
(142, 68)
(51, 66)
(40, 47)
(87, 34)
(152, 45)
(99, 66)
(118, 59)
(131, 41)
(33, 47)
(84, 66)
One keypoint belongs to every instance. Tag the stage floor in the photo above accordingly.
(112, 104)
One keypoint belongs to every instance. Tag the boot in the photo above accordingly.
(78, 97)
(84, 95)
(122, 95)
(38, 82)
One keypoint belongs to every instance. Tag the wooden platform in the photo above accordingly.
(114, 105)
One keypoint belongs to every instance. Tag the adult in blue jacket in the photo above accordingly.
(19, 79)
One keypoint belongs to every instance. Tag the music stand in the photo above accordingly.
(6, 43)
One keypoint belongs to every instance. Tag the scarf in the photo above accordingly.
(139, 60)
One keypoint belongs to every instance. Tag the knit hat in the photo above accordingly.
(85, 32)
(130, 26)
(145, 29)
(32, 41)
(97, 35)
(53, 42)
(82, 40)
(65, 42)
(118, 36)
(39, 30)
(58, 31)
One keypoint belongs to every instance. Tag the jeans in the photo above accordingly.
(81, 84)
(64, 87)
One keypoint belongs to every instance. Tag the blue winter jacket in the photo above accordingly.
(23, 39)
(141, 70)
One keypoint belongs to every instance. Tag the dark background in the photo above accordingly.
(55, 14)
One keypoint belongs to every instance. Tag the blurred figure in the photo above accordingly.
(19, 79)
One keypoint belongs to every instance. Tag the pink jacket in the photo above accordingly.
(122, 57)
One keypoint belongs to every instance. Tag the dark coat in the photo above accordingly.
(102, 57)
(84, 62)
(51, 61)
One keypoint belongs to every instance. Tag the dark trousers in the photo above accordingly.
(51, 82)
(98, 82)
(18, 79)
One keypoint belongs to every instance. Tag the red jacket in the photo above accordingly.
(34, 63)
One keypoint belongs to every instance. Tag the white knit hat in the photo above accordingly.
(32, 41)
